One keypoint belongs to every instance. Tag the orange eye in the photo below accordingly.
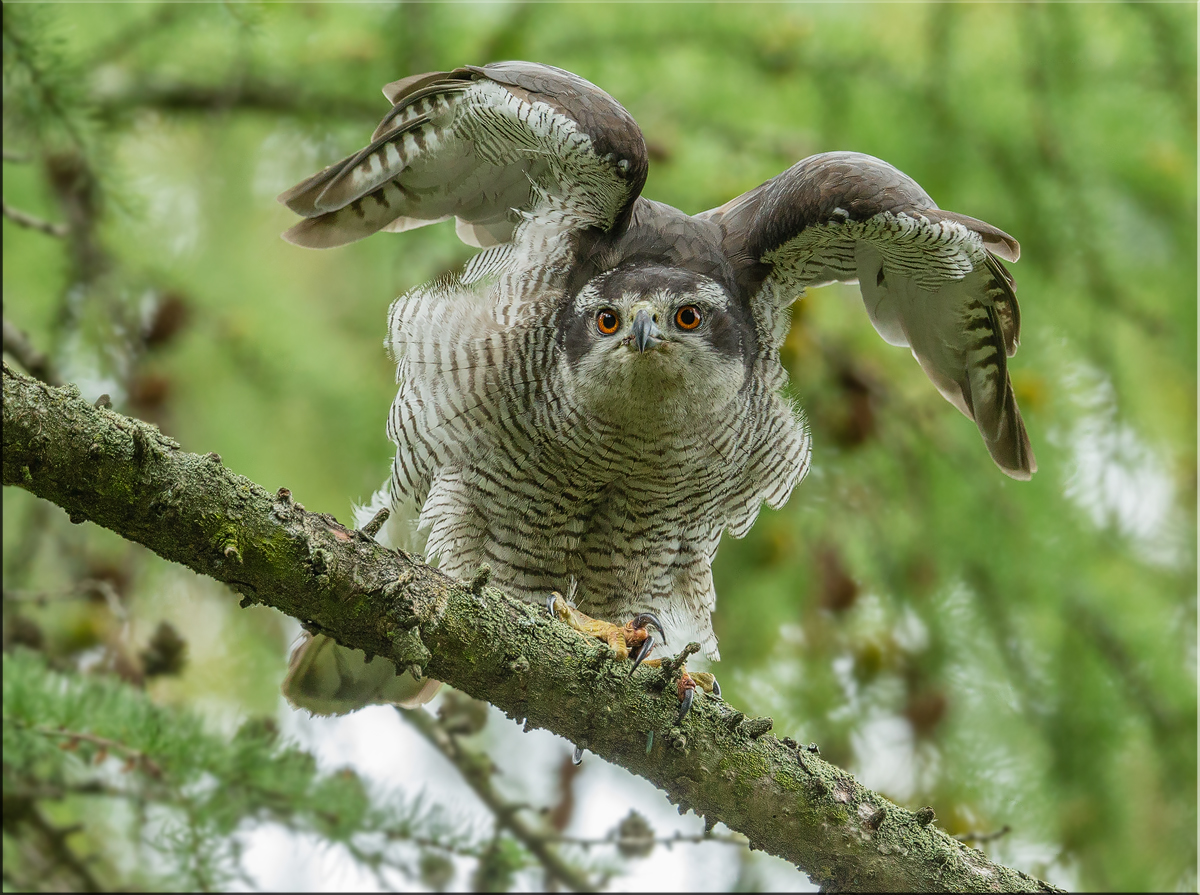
(688, 317)
(607, 321)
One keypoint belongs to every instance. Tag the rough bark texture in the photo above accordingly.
(124, 475)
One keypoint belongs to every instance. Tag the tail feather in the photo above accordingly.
(327, 678)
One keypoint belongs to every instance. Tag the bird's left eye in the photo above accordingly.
(688, 317)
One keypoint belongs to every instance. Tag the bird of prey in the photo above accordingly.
(596, 398)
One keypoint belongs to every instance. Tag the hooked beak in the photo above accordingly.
(646, 333)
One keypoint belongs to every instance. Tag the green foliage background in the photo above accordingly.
(1014, 654)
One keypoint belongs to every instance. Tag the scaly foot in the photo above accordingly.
(686, 688)
(634, 640)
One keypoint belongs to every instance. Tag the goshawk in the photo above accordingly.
(596, 398)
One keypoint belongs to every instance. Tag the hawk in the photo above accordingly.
(596, 397)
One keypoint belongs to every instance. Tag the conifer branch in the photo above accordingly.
(123, 474)
(28, 221)
(133, 757)
(476, 771)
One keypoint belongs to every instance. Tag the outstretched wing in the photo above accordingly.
(931, 279)
(488, 145)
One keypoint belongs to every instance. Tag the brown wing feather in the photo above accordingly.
(470, 143)
(930, 279)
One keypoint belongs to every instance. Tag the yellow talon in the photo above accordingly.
(632, 638)
(622, 638)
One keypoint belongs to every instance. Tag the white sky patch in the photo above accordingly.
(279, 860)
(910, 633)
(605, 795)
(885, 753)
(80, 362)
(1015, 850)
(843, 670)
(392, 756)
(1116, 477)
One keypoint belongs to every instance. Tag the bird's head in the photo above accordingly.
(652, 346)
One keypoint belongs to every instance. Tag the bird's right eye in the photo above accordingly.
(607, 321)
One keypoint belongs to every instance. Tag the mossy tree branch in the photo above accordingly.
(123, 474)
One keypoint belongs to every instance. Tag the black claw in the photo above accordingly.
(716, 689)
(649, 618)
(640, 652)
(685, 704)
(577, 757)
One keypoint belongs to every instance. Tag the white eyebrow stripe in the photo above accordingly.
(709, 293)
(702, 291)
